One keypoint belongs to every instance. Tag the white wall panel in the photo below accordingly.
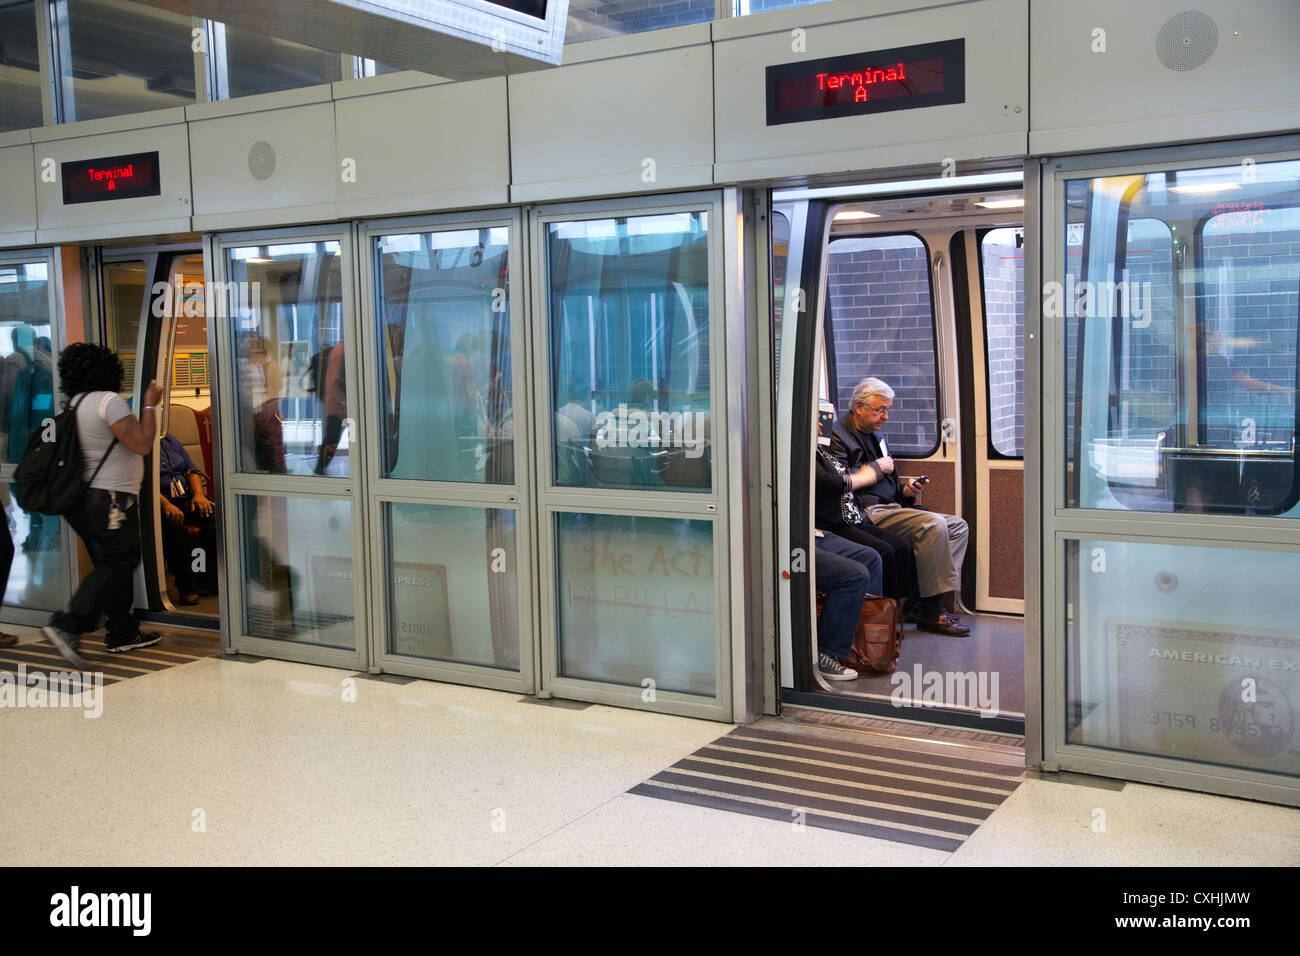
(437, 147)
(17, 191)
(992, 122)
(589, 127)
(264, 160)
(1088, 98)
(162, 131)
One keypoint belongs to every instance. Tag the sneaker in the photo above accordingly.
(143, 639)
(833, 670)
(66, 645)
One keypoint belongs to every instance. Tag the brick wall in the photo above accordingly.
(879, 299)
(1004, 281)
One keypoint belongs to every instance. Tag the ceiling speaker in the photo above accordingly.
(1187, 40)
(261, 160)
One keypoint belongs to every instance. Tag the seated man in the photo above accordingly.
(938, 540)
(847, 572)
(187, 517)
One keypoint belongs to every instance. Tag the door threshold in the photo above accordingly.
(926, 715)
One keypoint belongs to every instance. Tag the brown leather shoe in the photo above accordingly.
(8, 640)
(944, 625)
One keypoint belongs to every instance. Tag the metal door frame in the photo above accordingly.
(235, 484)
(1060, 524)
(517, 497)
(713, 506)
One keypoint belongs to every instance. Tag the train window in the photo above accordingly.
(780, 258)
(124, 293)
(881, 323)
(292, 401)
(1182, 313)
(1002, 257)
(445, 378)
(629, 325)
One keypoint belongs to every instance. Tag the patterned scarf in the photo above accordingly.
(849, 511)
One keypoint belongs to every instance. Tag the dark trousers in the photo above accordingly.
(6, 555)
(179, 542)
(899, 573)
(847, 572)
(109, 587)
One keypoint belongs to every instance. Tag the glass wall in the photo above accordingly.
(629, 337)
(1184, 651)
(116, 57)
(1182, 321)
(292, 399)
(20, 67)
(254, 63)
(37, 578)
(446, 390)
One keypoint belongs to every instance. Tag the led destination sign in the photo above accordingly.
(904, 78)
(118, 177)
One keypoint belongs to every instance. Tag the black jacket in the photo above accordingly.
(855, 449)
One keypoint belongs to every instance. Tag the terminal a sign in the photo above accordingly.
(903, 78)
(117, 177)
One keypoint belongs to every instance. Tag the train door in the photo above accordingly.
(923, 291)
(154, 309)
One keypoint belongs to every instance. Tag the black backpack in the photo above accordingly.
(48, 479)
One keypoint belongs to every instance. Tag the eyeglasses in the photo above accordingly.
(879, 411)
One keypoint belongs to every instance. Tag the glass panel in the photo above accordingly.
(292, 402)
(20, 75)
(743, 8)
(882, 326)
(125, 58)
(636, 601)
(1160, 661)
(124, 292)
(261, 64)
(593, 19)
(629, 328)
(1002, 256)
(445, 383)
(37, 578)
(1181, 310)
(26, 359)
(297, 570)
(453, 584)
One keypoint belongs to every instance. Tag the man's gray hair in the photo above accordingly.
(869, 387)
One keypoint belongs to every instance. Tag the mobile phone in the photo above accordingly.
(922, 479)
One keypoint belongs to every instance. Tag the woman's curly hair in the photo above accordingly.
(89, 368)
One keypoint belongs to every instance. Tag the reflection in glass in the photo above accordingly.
(26, 359)
(636, 600)
(37, 576)
(629, 334)
(1003, 259)
(878, 297)
(20, 70)
(1160, 662)
(125, 58)
(291, 371)
(297, 569)
(452, 584)
(257, 63)
(124, 304)
(1181, 303)
(446, 394)
(780, 258)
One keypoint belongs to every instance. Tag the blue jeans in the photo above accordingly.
(847, 572)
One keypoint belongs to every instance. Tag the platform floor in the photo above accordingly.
(230, 762)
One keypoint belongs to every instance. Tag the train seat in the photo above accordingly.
(183, 423)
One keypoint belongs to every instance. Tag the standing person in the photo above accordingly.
(108, 518)
(6, 560)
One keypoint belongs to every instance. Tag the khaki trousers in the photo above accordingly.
(938, 541)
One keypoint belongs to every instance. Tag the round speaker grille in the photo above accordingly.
(261, 160)
(1187, 40)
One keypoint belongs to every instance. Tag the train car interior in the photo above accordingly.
(920, 285)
